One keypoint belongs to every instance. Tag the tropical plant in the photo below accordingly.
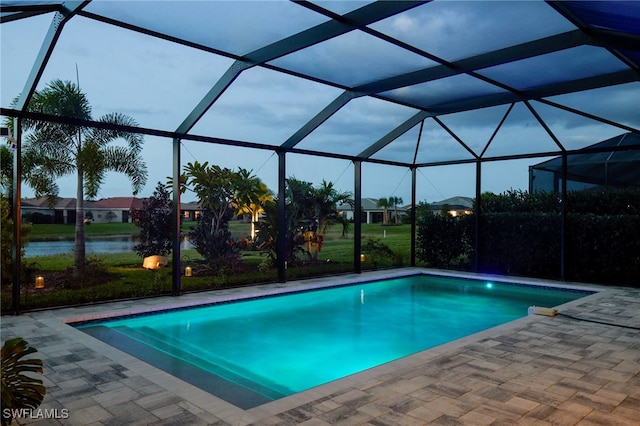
(155, 222)
(53, 150)
(310, 211)
(268, 230)
(385, 204)
(216, 189)
(19, 390)
(251, 196)
(6, 170)
(395, 202)
(324, 202)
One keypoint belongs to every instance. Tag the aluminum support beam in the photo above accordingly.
(175, 252)
(589, 116)
(337, 26)
(357, 217)
(478, 218)
(69, 9)
(318, 119)
(414, 214)
(17, 217)
(548, 90)
(394, 134)
(464, 66)
(327, 30)
(563, 219)
(281, 240)
(544, 126)
(212, 96)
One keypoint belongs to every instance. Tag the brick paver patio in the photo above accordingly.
(534, 371)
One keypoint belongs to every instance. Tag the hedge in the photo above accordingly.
(521, 235)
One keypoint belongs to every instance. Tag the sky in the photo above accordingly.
(158, 83)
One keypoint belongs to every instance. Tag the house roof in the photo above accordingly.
(118, 203)
(194, 205)
(43, 203)
(368, 204)
(453, 203)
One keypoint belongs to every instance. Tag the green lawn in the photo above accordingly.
(41, 232)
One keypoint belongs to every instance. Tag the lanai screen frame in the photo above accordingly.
(590, 30)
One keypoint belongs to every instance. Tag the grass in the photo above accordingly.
(129, 280)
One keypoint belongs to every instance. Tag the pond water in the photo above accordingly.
(108, 244)
(113, 244)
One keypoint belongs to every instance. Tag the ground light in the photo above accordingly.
(39, 281)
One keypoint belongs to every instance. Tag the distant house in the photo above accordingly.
(454, 206)
(37, 210)
(371, 213)
(113, 209)
(190, 211)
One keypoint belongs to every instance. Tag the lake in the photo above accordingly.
(108, 244)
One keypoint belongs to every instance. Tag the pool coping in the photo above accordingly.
(209, 407)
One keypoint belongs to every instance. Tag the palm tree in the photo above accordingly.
(53, 150)
(327, 199)
(395, 201)
(317, 205)
(308, 209)
(251, 196)
(385, 204)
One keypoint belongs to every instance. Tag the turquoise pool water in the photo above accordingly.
(263, 349)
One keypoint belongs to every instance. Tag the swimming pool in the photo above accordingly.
(252, 352)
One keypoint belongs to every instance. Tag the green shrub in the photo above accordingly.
(444, 241)
(526, 244)
(155, 223)
(379, 254)
(603, 249)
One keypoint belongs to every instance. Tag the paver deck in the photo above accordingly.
(537, 370)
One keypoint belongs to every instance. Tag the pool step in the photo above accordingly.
(213, 364)
(229, 391)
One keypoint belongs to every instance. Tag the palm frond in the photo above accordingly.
(61, 98)
(104, 137)
(120, 159)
